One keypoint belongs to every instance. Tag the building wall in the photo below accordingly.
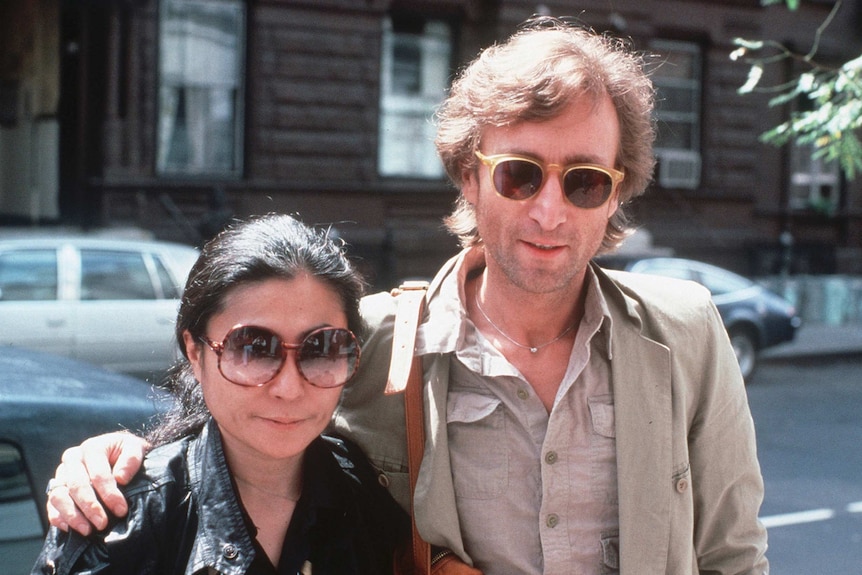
(311, 129)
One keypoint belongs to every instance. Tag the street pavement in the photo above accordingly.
(818, 340)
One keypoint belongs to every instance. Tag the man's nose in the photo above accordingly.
(549, 205)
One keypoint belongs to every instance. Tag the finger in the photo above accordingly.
(98, 455)
(76, 477)
(60, 506)
(129, 457)
(63, 513)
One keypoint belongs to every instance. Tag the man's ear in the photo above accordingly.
(470, 185)
(614, 204)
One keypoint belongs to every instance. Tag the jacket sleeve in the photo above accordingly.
(64, 553)
(135, 543)
(367, 416)
(725, 473)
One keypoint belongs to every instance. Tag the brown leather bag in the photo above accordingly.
(405, 376)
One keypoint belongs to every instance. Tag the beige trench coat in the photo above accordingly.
(689, 481)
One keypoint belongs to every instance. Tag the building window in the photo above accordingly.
(414, 79)
(201, 56)
(678, 81)
(814, 182)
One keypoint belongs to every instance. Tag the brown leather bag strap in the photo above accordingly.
(405, 374)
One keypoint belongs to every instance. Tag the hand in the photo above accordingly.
(92, 471)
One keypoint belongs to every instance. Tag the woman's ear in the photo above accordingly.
(194, 351)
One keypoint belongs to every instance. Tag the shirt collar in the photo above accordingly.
(445, 329)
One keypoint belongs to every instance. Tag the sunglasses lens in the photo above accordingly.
(587, 187)
(251, 356)
(517, 179)
(329, 357)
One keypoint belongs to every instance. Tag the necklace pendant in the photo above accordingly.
(534, 349)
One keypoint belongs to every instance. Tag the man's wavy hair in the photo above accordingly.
(533, 76)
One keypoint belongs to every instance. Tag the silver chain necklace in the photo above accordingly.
(533, 349)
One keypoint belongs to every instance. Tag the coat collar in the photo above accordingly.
(641, 375)
(222, 541)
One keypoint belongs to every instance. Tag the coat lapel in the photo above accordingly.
(643, 410)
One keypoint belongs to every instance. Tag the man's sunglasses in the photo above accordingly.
(519, 177)
(253, 356)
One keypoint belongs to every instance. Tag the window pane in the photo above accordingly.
(28, 275)
(114, 275)
(678, 86)
(720, 283)
(414, 79)
(814, 183)
(169, 289)
(21, 532)
(675, 135)
(200, 94)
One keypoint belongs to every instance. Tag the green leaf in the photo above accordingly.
(754, 75)
(748, 44)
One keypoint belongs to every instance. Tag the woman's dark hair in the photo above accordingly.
(262, 248)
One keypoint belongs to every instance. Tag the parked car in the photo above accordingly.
(49, 403)
(107, 301)
(755, 317)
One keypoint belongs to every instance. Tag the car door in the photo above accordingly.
(35, 307)
(124, 321)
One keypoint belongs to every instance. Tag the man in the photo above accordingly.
(578, 421)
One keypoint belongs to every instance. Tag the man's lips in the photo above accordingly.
(543, 246)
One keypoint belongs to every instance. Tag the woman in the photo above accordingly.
(242, 480)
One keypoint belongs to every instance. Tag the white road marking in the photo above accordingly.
(798, 517)
(807, 516)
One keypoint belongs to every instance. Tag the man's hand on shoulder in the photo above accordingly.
(88, 478)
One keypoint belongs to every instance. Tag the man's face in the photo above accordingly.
(543, 243)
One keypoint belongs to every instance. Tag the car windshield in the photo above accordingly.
(719, 282)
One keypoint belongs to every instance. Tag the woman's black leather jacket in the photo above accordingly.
(185, 518)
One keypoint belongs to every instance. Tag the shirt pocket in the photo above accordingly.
(477, 445)
(603, 448)
(602, 415)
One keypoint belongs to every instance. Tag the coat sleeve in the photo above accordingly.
(123, 548)
(367, 416)
(725, 473)
(65, 553)
(135, 543)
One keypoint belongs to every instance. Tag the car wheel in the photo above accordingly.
(745, 350)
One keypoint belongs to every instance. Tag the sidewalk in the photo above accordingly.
(819, 340)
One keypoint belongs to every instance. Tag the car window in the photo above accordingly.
(663, 269)
(718, 282)
(170, 289)
(111, 275)
(28, 275)
(20, 525)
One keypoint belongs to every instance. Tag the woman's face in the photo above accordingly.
(279, 419)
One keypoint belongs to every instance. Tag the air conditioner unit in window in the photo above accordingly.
(678, 168)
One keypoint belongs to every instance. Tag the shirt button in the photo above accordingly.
(522, 393)
(681, 484)
(383, 480)
(229, 551)
(553, 520)
(551, 457)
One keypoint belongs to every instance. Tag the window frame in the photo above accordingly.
(163, 168)
(397, 154)
(680, 167)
